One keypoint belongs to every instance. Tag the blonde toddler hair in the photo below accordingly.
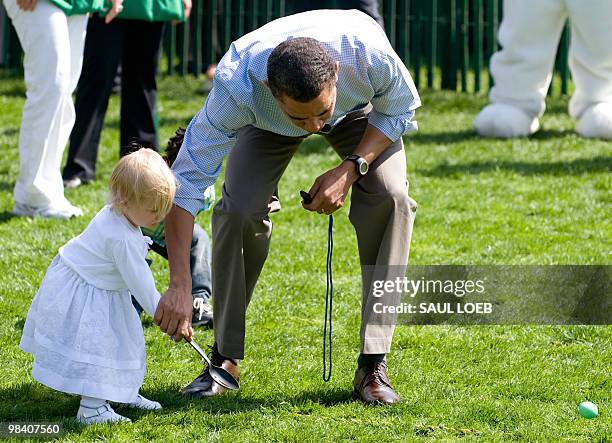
(144, 180)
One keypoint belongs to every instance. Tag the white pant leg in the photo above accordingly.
(590, 55)
(77, 26)
(53, 48)
(529, 35)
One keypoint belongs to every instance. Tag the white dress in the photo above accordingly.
(82, 328)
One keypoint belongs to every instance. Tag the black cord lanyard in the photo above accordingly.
(329, 292)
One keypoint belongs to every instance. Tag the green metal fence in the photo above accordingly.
(190, 47)
(445, 43)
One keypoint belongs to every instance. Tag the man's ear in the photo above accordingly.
(265, 82)
(336, 69)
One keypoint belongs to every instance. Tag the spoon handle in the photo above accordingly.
(199, 350)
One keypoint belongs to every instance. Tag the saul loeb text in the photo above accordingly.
(430, 289)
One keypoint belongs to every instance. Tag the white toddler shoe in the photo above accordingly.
(144, 403)
(504, 120)
(596, 121)
(101, 414)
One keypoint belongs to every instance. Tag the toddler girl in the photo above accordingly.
(84, 333)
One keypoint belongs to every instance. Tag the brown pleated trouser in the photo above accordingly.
(381, 212)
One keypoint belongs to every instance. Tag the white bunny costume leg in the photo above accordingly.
(590, 61)
(529, 35)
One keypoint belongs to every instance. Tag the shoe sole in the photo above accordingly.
(107, 422)
(357, 396)
(204, 323)
(34, 214)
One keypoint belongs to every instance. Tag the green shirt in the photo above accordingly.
(147, 10)
(76, 7)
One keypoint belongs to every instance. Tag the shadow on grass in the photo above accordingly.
(550, 134)
(6, 216)
(6, 186)
(318, 144)
(449, 137)
(19, 324)
(441, 137)
(242, 401)
(574, 167)
(35, 402)
(13, 90)
(9, 132)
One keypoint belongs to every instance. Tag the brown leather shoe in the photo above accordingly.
(371, 385)
(205, 386)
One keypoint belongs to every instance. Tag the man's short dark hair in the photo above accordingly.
(300, 68)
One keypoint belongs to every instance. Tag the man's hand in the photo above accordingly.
(114, 11)
(27, 5)
(330, 189)
(173, 314)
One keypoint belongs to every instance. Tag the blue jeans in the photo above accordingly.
(199, 259)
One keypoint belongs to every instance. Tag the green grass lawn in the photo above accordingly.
(538, 200)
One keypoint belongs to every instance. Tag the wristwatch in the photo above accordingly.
(360, 163)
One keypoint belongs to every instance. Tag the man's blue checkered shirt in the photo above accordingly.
(370, 72)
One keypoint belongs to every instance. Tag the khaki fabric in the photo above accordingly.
(381, 212)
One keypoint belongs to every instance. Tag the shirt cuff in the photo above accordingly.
(393, 127)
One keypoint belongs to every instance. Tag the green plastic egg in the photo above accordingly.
(588, 410)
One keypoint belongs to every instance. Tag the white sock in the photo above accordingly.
(92, 402)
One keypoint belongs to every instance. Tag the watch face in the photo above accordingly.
(363, 167)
